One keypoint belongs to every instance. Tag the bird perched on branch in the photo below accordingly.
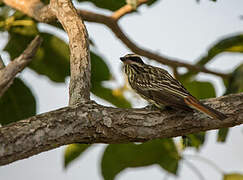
(158, 87)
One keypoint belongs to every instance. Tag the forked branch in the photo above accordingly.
(44, 14)
(8, 73)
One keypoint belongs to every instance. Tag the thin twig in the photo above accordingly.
(203, 159)
(18, 64)
(113, 25)
(44, 14)
(127, 9)
(195, 169)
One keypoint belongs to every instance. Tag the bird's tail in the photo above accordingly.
(195, 104)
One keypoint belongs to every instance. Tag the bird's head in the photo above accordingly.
(132, 59)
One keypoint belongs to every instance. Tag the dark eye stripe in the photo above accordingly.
(136, 59)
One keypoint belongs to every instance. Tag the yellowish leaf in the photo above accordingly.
(233, 176)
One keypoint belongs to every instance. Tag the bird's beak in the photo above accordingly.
(125, 60)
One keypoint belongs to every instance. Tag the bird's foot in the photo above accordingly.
(153, 107)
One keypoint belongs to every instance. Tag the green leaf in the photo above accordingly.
(150, 2)
(232, 44)
(107, 4)
(51, 59)
(233, 176)
(99, 69)
(2, 4)
(45, 1)
(195, 140)
(18, 23)
(111, 4)
(4, 12)
(17, 103)
(108, 95)
(222, 134)
(73, 151)
(200, 89)
(235, 84)
(118, 157)
(99, 73)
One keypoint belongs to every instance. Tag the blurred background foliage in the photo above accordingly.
(52, 61)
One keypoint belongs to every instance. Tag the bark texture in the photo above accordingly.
(93, 123)
(79, 87)
(8, 73)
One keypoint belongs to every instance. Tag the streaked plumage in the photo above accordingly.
(158, 87)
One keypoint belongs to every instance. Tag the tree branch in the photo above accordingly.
(64, 11)
(44, 14)
(127, 9)
(33, 8)
(8, 73)
(159, 58)
(93, 123)
(67, 15)
(113, 25)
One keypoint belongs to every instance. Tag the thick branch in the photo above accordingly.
(93, 123)
(8, 73)
(65, 12)
(44, 14)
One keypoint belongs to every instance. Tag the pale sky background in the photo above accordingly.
(180, 29)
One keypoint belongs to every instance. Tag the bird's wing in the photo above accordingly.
(159, 87)
(161, 80)
(161, 97)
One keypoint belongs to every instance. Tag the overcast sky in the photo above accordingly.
(180, 29)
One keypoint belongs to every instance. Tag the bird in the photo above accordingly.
(159, 88)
